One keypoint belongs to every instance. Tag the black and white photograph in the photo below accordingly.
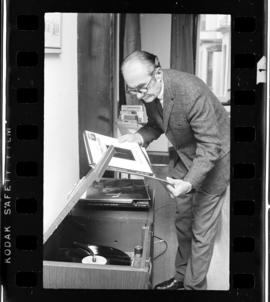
(136, 162)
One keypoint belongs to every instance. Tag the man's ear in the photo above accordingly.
(159, 74)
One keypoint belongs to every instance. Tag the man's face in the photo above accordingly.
(140, 83)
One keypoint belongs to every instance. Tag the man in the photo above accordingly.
(195, 122)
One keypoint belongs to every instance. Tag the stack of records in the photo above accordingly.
(133, 114)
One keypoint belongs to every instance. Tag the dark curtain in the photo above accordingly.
(95, 77)
(183, 51)
(183, 42)
(130, 40)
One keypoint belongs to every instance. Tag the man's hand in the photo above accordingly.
(178, 187)
(131, 138)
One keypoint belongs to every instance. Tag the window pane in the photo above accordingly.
(214, 54)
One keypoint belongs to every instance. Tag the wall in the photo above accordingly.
(61, 162)
(156, 38)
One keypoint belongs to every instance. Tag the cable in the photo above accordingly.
(166, 247)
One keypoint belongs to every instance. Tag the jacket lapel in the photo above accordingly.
(168, 99)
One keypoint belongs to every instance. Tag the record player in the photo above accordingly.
(90, 246)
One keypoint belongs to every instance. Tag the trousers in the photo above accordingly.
(197, 220)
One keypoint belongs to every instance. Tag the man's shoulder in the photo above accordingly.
(173, 73)
(183, 82)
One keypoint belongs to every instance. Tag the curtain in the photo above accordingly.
(183, 42)
(183, 52)
(95, 77)
(130, 40)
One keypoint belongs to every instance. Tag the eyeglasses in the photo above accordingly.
(142, 90)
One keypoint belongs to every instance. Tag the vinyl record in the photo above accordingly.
(83, 253)
(113, 255)
(72, 254)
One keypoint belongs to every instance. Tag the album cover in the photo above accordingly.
(128, 157)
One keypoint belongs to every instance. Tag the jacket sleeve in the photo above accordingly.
(203, 122)
(150, 132)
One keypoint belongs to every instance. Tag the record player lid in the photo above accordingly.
(80, 188)
(132, 189)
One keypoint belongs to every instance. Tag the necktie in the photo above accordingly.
(159, 107)
(155, 112)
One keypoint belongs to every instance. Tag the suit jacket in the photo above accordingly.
(198, 127)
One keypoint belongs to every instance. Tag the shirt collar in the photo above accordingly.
(160, 96)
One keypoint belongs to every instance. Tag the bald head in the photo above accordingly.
(137, 67)
(140, 60)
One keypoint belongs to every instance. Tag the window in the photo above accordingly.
(213, 54)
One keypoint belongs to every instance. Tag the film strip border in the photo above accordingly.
(23, 188)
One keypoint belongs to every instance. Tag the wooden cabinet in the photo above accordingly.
(116, 227)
